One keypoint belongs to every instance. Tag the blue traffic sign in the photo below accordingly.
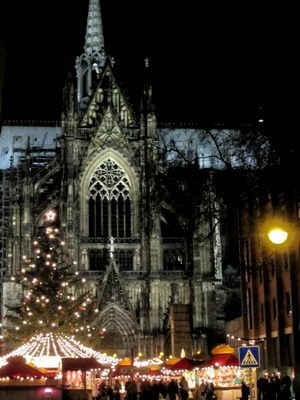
(249, 356)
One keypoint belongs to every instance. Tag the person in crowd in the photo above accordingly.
(146, 390)
(103, 390)
(172, 389)
(131, 389)
(110, 393)
(273, 386)
(163, 388)
(262, 387)
(183, 388)
(155, 390)
(285, 388)
(116, 389)
(210, 392)
(245, 391)
(203, 389)
(139, 388)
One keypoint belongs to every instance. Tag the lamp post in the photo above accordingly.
(279, 236)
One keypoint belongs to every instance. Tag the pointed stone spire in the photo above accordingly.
(89, 65)
(94, 39)
(148, 119)
(147, 103)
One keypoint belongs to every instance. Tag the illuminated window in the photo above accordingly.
(109, 202)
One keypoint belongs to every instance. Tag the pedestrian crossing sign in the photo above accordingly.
(249, 356)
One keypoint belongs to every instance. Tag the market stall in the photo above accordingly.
(79, 373)
(53, 362)
(17, 368)
(223, 371)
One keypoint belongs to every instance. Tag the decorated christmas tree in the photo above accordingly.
(53, 296)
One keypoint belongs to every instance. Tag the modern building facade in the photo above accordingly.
(270, 271)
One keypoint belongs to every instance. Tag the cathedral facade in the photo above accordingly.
(157, 273)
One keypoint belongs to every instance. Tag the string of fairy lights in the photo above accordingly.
(248, 340)
(57, 345)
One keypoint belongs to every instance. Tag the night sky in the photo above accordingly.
(210, 61)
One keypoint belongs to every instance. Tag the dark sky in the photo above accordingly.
(211, 61)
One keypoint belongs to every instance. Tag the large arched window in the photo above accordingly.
(109, 202)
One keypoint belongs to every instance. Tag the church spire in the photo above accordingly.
(94, 39)
(93, 58)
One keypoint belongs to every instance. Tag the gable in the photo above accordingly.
(108, 93)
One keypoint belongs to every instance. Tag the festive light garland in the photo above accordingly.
(50, 344)
(250, 341)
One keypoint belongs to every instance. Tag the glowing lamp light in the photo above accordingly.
(48, 390)
(278, 236)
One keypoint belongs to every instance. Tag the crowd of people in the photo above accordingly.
(269, 387)
(207, 391)
(274, 387)
(146, 389)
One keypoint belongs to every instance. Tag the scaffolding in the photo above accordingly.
(4, 226)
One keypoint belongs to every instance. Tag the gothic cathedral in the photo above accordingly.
(159, 287)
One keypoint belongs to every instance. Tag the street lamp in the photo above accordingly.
(278, 235)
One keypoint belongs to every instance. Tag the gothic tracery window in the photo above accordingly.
(109, 202)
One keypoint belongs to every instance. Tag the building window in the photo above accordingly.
(286, 261)
(273, 268)
(173, 260)
(261, 274)
(249, 308)
(124, 259)
(262, 313)
(288, 304)
(98, 259)
(274, 309)
(109, 202)
(174, 293)
(247, 260)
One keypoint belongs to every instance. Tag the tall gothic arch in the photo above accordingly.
(109, 202)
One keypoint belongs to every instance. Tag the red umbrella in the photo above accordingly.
(221, 360)
(182, 364)
(17, 368)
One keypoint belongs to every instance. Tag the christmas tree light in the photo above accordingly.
(54, 296)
